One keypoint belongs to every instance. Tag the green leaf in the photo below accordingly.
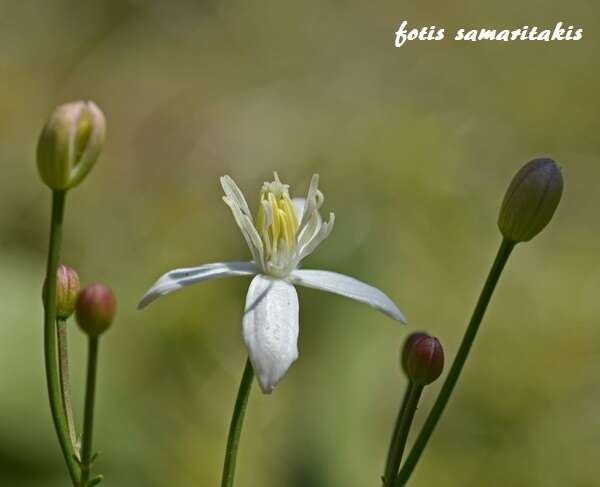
(95, 481)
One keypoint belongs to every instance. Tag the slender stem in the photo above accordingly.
(63, 374)
(235, 428)
(50, 353)
(88, 416)
(395, 440)
(504, 252)
(403, 424)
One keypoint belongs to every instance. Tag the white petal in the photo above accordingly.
(299, 204)
(271, 329)
(323, 231)
(248, 230)
(349, 287)
(233, 192)
(310, 229)
(179, 278)
(314, 199)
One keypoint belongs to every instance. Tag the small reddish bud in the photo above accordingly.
(424, 359)
(408, 343)
(95, 309)
(67, 289)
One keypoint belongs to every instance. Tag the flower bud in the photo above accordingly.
(423, 358)
(95, 309)
(70, 144)
(408, 343)
(530, 200)
(67, 289)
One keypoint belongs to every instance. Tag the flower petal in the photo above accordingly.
(322, 232)
(179, 278)
(314, 200)
(234, 198)
(234, 193)
(299, 204)
(312, 226)
(248, 230)
(271, 329)
(349, 287)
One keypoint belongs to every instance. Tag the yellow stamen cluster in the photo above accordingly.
(276, 220)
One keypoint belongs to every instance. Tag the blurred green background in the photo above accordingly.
(415, 147)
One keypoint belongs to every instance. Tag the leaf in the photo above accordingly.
(95, 481)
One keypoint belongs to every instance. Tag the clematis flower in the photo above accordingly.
(284, 233)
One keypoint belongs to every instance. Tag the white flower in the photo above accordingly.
(284, 233)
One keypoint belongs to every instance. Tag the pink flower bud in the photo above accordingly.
(67, 289)
(95, 309)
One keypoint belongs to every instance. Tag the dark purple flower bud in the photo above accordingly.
(424, 359)
(530, 200)
(408, 343)
(95, 309)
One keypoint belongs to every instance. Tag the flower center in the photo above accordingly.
(276, 221)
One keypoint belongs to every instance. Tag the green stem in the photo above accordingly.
(63, 374)
(88, 416)
(401, 430)
(237, 421)
(50, 353)
(504, 252)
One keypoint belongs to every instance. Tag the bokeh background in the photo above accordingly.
(415, 147)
